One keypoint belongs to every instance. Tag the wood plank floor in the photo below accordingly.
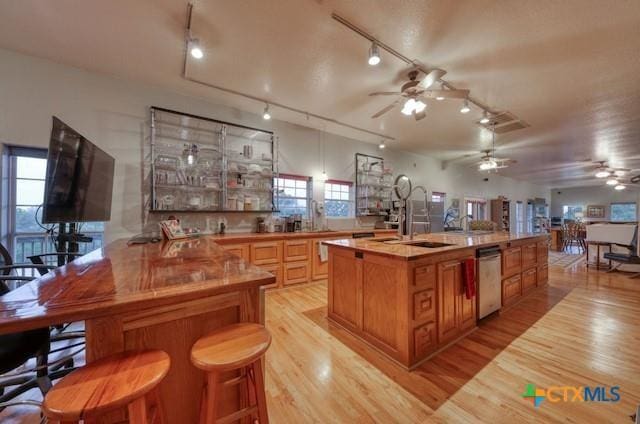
(583, 329)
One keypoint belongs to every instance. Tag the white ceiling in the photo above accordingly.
(570, 69)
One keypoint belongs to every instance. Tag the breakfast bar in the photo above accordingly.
(155, 296)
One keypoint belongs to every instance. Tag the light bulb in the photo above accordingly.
(419, 106)
(484, 166)
(602, 174)
(323, 176)
(190, 159)
(439, 98)
(408, 107)
(266, 115)
(465, 107)
(619, 173)
(612, 181)
(195, 49)
(485, 118)
(381, 145)
(620, 187)
(374, 55)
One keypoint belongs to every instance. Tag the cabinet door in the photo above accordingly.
(319, 270)
(276, 270)
(266, 253)
(543, 252)
(424, 307)
(424, 339)
(295, 272)
(511, 261)
(511, 289)
(449, 282)
(529, 255)
(529, 279)
(424, 276)
(241, 250)
(543, 274)
(467, 307)
(296, 250)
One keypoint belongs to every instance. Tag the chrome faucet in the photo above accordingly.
(467, 218)
(314, 206)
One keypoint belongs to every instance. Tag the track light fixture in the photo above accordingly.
(620, 187)
(381, 146)
(485, 118)
(603, 173)
(440, 98)
(266, 115)
(374, 54)
(612, 181)
(195, 49)
(465, 107)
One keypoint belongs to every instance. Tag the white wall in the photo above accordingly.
(584, 196)
(113, 113)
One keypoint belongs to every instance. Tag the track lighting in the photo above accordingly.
(619, 173)
(612, 181)
(440, 98)
(465, 107)
(485, 118)
(381, 146)
(266, 115)
(602, 173)
(195, 49)
(620, 187)
(374, 54)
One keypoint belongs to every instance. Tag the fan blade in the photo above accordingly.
(430, 78)
(385, 93)
(386, 109)
(419, 115)
(447, 94)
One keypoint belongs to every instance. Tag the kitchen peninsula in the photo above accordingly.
(406, 298)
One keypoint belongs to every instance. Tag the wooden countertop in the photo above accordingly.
(229, 238)
(403, 251)
(121, 278)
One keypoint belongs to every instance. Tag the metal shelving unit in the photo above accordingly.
(200, 164)
(374, 184)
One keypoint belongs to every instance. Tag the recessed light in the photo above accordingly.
(465, 107)
(374, 54)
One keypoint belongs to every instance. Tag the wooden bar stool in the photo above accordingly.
(235, 347)
(127, 379)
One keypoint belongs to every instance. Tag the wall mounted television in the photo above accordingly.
(79, 179)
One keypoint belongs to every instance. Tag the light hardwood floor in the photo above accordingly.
(583, 329)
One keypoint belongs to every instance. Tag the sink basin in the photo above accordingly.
(385, 239)
(429, 244)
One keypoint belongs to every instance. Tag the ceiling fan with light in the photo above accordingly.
(416, 92)
(489, 162)
(614, 176)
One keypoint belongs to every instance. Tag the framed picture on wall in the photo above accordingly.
(595, 211)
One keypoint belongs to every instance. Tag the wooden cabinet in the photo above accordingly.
(266, 253)
(241, 250)
(296, 250)
(295, 272)
(425, 339)
(319, 270)
(543, 252)
(529, 279)
(543, 274)
(345, 288)
(276, 270)
(511, 289)
(424, 305)
(529, 255)
(456, 313)
(424, 276)
(511, 261)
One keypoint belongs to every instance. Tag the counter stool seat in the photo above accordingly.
(122, 380)
(235, 347)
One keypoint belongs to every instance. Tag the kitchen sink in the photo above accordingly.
(385, 239)
(429, 244)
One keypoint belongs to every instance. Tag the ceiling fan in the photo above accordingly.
(489, 161)
(604, 171)
(416, 92)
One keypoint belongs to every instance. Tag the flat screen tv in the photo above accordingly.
(79, 180)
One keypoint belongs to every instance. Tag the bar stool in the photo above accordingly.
(127, 379)
(234, 347)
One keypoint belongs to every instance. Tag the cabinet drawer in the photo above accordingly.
(295, 272)
(511, 261)
(296, 250)
(543, 252)
(529, 279)
(529, 255)
(424, 276)
(543, 274)
(241, 250)
(424, 306)
(276, 270)
(424, 339)
(511, 289)
(266, 253)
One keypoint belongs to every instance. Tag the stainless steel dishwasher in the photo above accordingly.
(489, 280)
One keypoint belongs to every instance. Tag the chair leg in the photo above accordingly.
(153, 400)
(209, 411)
(263, 415)
(138, 411)
(615, 267)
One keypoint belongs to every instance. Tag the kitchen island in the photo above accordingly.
(160, 296)
(406, 298)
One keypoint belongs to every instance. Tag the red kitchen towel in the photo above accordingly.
(469, 277)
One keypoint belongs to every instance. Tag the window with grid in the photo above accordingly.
(624, 212)
(569, 212)
(438, 197)
(337, 199)
(26, 236)
(293, 194)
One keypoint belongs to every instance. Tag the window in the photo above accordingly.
(438, 197)
(26, 235)
(569, 212)
(476, 209)
(294, 193)
(519, 217)
(624, 212)
(337, 199)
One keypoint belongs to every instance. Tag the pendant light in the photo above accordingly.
(324, 176)
(265, 114)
